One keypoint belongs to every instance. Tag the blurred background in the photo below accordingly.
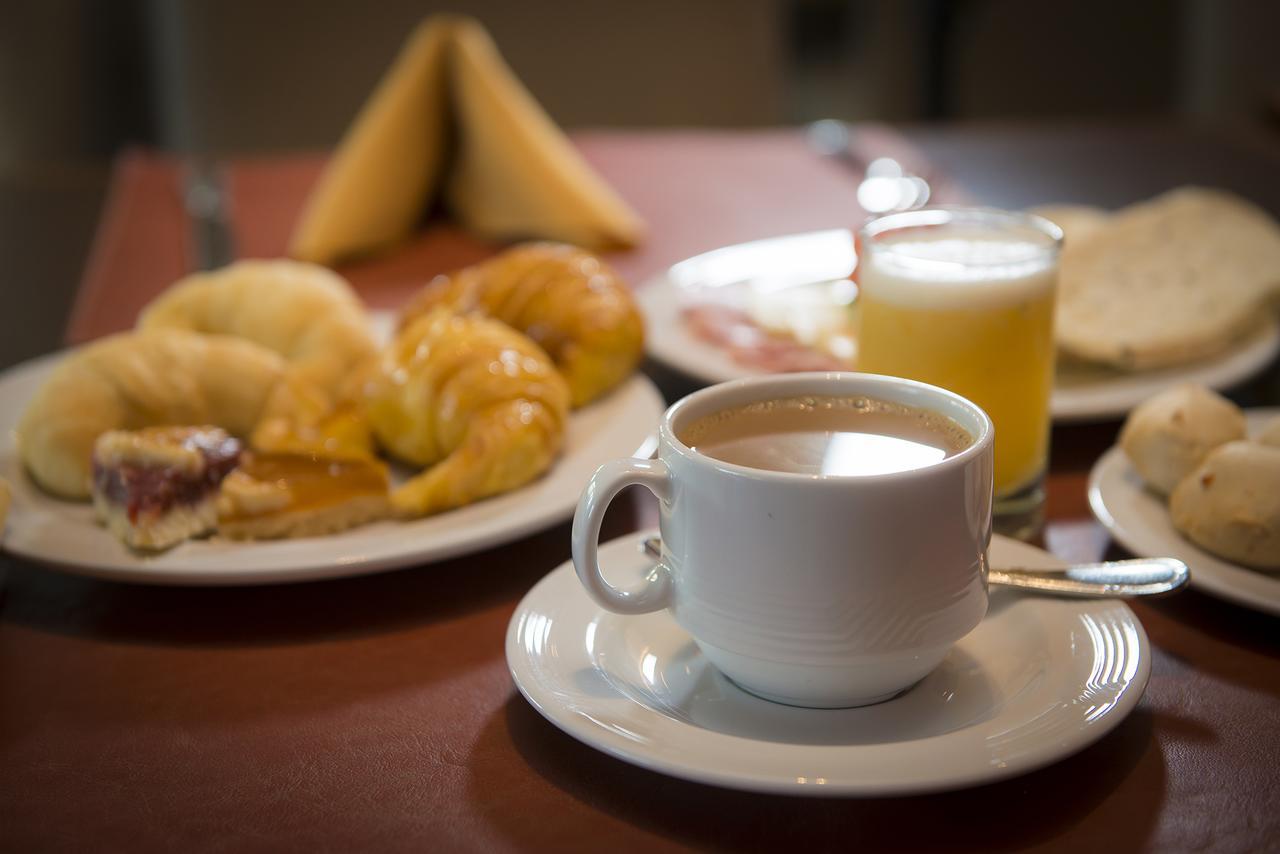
(81, 80)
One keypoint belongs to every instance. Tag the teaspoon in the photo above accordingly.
(1114, 579)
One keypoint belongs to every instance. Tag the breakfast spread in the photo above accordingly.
(569, 302)
(279, 356)
(1224, 489)
(476, 404)
(155, 487)
(1167, 282)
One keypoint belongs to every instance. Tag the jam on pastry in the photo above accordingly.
(275, 495)
(155, 487)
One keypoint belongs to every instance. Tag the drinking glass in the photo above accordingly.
(963, 298)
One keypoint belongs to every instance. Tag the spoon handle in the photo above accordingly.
(1116, 579)
(1113, 579)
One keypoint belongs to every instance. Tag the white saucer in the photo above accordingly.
(1139, 521)
(1038, 680)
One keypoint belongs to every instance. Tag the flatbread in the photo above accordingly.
(1168, 281)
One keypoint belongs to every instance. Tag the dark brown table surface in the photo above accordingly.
(377, 713)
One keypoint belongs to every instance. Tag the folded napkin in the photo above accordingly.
(449, 121)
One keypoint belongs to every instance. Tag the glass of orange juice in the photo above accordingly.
(963, 298)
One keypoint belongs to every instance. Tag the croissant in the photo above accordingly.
(564, 298)
(142, 379)
(306, 313)
(476, 403)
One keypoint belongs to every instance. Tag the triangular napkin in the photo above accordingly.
(450, 119)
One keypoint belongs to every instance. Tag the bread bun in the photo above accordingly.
(1230, 505)
(1170, 434)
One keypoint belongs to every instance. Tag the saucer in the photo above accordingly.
(1038, 680)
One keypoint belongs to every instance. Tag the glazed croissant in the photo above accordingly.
(142, 379)
(476, 403)
(564, 298)
(306, 313)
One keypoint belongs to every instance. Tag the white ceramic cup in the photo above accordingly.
(812, 590)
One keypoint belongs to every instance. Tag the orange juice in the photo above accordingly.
(968, 308)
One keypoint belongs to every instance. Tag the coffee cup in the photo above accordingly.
(806, 587)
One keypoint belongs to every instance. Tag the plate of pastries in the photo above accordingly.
(1196, 477)
(256, 427)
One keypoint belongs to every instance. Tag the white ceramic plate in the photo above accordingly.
(1081, 393)
(63, 534)
(1139, 520)
(1038, 680)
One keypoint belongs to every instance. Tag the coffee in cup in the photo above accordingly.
(820, 435)
(809, 582)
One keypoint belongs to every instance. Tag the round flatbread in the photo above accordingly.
(1168, 281)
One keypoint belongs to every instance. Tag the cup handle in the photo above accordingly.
(610, 479)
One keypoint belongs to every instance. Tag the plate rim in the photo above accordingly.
(1113, 462)
(1259, 348)
(306, 568)
(763, 782)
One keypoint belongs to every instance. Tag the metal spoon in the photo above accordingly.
(1114, 579)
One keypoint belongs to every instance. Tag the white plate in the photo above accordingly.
(1038, 680)
(1081, 393)
(1139, 520)
(64, 534)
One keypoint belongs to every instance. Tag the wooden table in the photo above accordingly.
(377, 713)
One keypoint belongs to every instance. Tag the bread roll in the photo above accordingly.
(1168, 436)
(1230, 505)
(143, 379)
